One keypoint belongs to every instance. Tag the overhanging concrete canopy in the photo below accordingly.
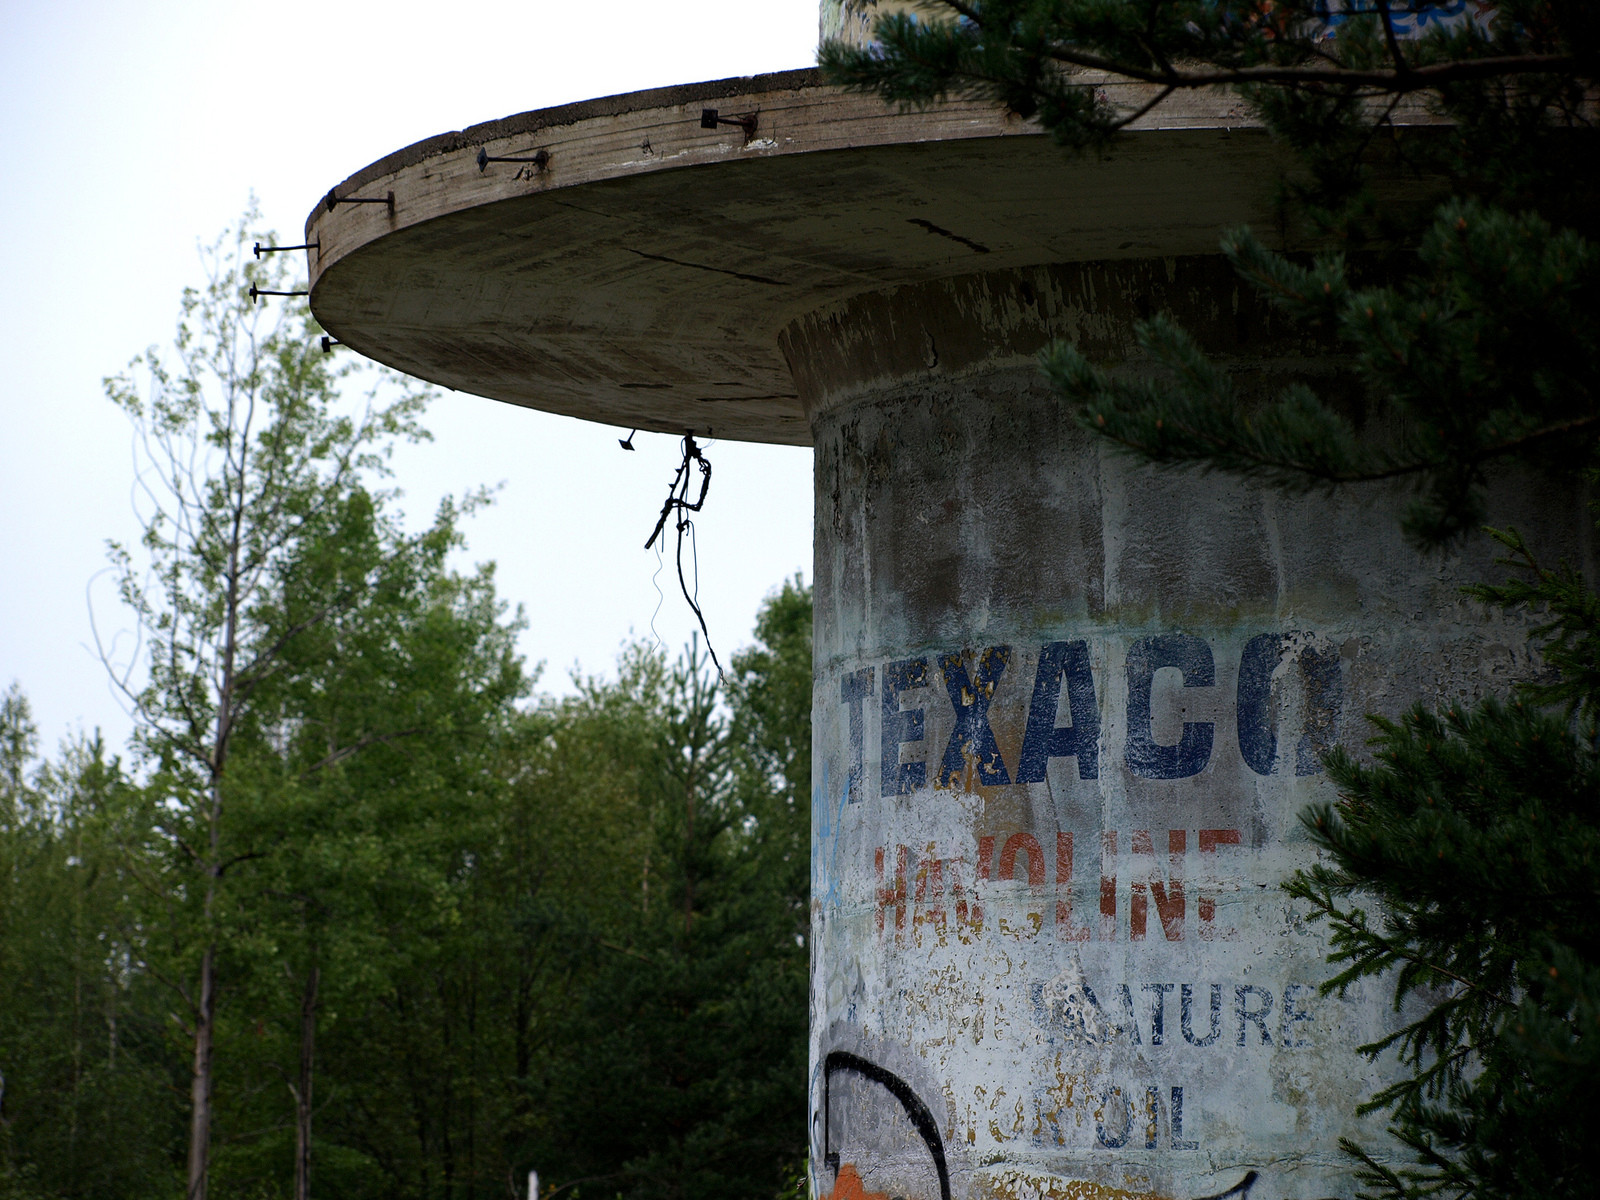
(641, 273)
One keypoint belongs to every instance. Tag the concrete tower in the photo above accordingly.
(1067, 709)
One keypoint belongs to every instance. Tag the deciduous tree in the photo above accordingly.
(244, 448)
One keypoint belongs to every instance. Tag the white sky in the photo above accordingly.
(129, 132)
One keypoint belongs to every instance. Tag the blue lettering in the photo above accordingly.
(1158, 1013)
(900, 779)
(1324, 695)
(1246, 1014)
(1258, 741)
(1130, 1023)
(1113, 1134)
(1288, 1035)
(1102, 1133)
(1186, 1014)
(1081, 739)
(1145, 756)
(854, 688)
(972, 736)
(1178, 1142)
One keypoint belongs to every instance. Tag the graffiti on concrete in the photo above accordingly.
(1240, 1189)
(1046, 871)
(852, 20)
(921, 1118)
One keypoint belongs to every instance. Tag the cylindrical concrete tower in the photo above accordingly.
(1067, 708)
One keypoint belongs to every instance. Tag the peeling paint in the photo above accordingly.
(1066, 713)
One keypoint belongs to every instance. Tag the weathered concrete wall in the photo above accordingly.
(1067, 711)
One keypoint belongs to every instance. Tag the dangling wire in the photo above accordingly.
(661, 598)
(678, 498)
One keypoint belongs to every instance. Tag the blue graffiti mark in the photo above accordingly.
(1411, 20)
(826, 848)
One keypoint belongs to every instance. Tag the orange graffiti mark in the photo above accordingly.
(849, 1186)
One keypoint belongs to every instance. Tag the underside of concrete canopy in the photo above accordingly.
(639, 266)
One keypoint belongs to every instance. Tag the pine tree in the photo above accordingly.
(1480, 339)
(688, 1073)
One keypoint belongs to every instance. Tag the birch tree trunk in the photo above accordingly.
(302, 1094)
(201, 1082)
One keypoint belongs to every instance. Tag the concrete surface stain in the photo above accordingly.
(1018, 1185)
(849, 1186)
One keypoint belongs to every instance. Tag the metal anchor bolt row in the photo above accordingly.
(260, 249)
(539, 160)
(332, 200)
(709, 119)
(255, 291)
(746, 121)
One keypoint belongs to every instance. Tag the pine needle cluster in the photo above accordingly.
(1463, 864)
(1489, 352)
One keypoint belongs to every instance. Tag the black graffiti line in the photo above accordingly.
(843, 1060)
(678, 262)
(975, 247)
(1240, 1189)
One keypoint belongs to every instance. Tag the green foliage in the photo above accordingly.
(1569, 635)
(692, 1077)
(565, 938)
(358, 921)
(1476, 831)
(254, 496)
(244, 444)
(85, 1102)
(1485, 350)
(1322, 75)
(1488, 353)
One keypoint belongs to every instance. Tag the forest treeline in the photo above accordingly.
(357, 913)
(564, 937)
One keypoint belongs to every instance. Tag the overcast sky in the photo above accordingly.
(130, 132)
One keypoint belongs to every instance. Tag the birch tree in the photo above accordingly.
(241, 443)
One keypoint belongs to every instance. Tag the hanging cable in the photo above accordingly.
(661, 598)
(678, 499)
